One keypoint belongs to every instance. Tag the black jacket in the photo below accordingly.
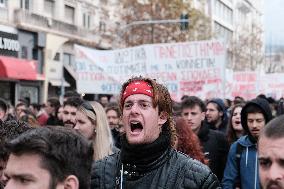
(53, 120)
(171, 170)
(215, 147)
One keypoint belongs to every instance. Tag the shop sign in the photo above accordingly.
(9, 44)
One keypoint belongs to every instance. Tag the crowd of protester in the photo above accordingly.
(141, 139)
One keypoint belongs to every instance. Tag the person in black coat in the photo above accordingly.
(216, 148)
(51, 109)
(214, 143)
(147, 159)
(216, 115)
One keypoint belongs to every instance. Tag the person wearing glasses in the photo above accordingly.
(147, 158)
(91, 122)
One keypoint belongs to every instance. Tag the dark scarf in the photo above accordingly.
(145, 157)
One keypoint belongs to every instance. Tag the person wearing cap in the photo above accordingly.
(242, 162)
(147, 159)
(216, 115)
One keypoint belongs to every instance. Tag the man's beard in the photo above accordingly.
(69, 123)
(271, 183)
(112, 125)
(213, 122)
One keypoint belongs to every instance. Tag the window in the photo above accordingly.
(2, 3)
(24, 52)
(25, 4)
(31, 92)
(68, 59)
(241, 16)
(223, 12)
(69, 14)
(49, 7)
(102, 26)
(277, 58)
(57, 56)
(86, 20)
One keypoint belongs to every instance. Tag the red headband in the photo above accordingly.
(137, 87)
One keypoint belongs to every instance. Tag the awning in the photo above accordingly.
(58, 82)
(14, 68)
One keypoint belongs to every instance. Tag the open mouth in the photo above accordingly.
(136, 126)
(237, 122)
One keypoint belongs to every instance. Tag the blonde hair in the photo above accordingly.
(102, 138)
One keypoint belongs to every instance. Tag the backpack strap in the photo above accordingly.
(238, 162)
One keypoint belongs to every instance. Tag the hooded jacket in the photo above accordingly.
(245, 168)
(266, 111)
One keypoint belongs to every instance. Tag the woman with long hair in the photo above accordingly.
(92, 123)
(187, 142)
(234, 128)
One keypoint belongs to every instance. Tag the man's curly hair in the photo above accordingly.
(161, 98)
(10, 130)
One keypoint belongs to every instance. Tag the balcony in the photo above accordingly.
(244, 6)
(33, 21)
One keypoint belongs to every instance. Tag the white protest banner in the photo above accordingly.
(192, 68)
(244, 84)
(272, 85)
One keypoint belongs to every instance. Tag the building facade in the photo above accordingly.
(44, 32)
(240, 24)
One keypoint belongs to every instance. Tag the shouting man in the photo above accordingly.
(147, 159)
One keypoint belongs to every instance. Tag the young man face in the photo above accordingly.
(104, 101)
(255, 122)
(142, 122)
(113, 119)
(25, 172)
(194, 117)
(271, 162)
(212, 113)
(69, 116)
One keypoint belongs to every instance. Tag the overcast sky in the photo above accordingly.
(274, 22)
